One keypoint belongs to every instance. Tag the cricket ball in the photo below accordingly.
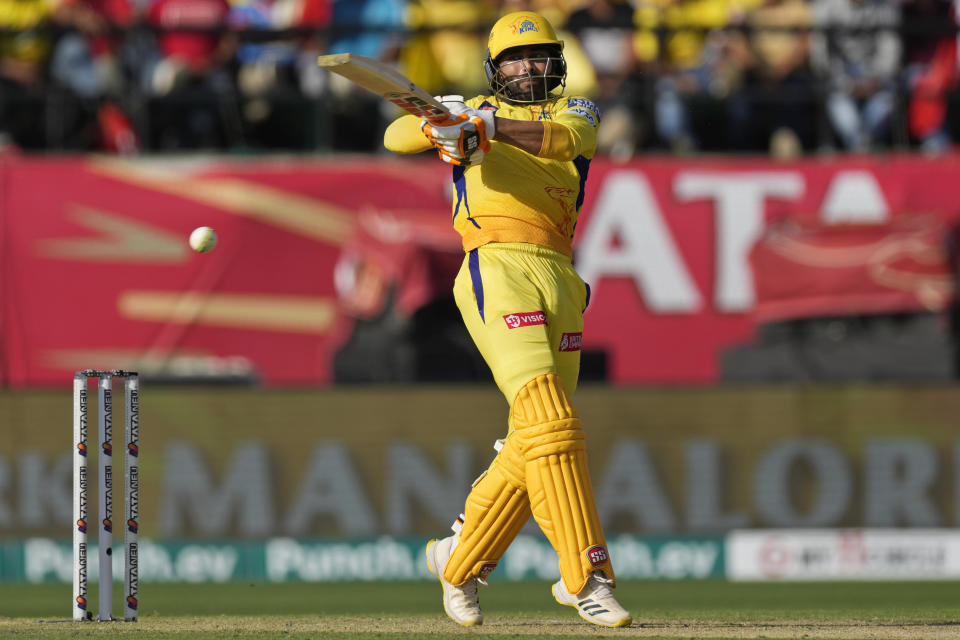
(203, 239)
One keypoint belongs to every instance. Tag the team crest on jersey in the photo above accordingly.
(526, 25)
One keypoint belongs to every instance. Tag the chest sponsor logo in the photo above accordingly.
(571, 341)
(528, 319)
(541, 112)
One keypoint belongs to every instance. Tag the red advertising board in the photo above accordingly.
(96, 271)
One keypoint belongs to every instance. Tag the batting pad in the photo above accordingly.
(558, 481)
(497, 509)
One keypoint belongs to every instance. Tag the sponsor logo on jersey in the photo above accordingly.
(528, 319)
(597, 556)
(571, 341)
(586, 115)
(583, 102)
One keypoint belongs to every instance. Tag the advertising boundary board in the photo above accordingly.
(843, 554)
(743, 555)
(665, 244)
(398, 460)
(281, 560)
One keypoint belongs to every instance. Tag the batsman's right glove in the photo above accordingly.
(463, 137)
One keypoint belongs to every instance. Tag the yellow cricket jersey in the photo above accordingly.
(514, 196)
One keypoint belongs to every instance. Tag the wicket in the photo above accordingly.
(105, 502)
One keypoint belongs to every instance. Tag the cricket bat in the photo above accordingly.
(386, 82)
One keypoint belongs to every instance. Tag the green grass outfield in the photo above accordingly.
(711, 609)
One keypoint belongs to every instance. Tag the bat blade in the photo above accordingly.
(385, 81)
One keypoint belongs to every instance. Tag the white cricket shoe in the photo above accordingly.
(462, 603)
(595, 603)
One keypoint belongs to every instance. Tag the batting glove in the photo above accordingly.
(463, 136)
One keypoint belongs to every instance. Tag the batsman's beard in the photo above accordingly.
(530, 86)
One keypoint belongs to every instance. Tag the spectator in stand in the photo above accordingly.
(604, 29)
(856, 51)
(448, 56)
(191, 72)
(88, 60)
(317, 15)
(89, 63)
(25, 51)
(775, 108)
(371, 28)
(929, 70)
(556, 11)
(696, 65)
(269, 73)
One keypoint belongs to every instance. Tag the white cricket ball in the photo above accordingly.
(203, 239)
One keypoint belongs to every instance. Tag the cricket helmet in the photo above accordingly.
(524, 29)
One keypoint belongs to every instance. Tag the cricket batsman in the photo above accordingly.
(520, 158)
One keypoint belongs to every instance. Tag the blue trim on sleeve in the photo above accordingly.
(474, 263)
(461, 187)
(460, 183)
(583, 167)
(587, 303)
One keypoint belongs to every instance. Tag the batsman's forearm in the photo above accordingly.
(542, 138)
(522, 134)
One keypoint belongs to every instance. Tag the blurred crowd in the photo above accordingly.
(778, 76)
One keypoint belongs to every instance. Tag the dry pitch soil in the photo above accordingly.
(433, 627)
